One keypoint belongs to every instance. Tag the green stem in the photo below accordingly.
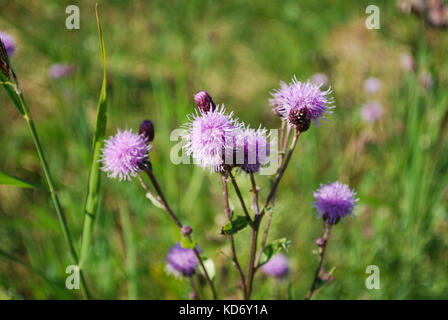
(54, 196)
(131, 254)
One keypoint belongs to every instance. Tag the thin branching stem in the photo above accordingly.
(166, 207)
(271, 197)
(54, 196)
(325, 237)
(228, 213)
(240, 197)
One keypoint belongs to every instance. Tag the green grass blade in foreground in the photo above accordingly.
(6, 179)
(91, 205)
(18, 98)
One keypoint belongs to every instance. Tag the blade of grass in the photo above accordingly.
(9, 180)
(18, 98)
(92, 200)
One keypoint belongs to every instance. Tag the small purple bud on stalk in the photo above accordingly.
(321, 242)
(186, 230)
(204, 101)
(147, 130)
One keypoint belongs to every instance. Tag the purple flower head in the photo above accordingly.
(125, 154)
(204, 101)
(371, 111)
(277, 266)
(8, 43)
(300, 102)
(60, 70)
(254, 145)
(319, 79)
(334, 201)
(207, 136)
(277, 98)
(181, 261)
(372, 85)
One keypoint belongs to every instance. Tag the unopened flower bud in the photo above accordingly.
(300, 119)
(321, 242)
(147, 130)
(186, 230)
(204, 101)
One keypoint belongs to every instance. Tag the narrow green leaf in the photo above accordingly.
(328, 278)
(17, 182)
(273, 248)
(155, 201)
(93, 193)
(186, 243)
(11, 90)
(237, 224)
(209, 267)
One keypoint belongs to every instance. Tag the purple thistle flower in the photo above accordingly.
(277, 266)
(278, 97)
(208, 134)
(125, 154)
(300, 102)
(60, 70)
(334, 201)
(181, 261)
(372, 85)
(255, 148)
(371, 111)
(8, 43)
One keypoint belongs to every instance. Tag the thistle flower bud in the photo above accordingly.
(204, 101)
(186, 230)
(300, 119)
(147, 130)
(321, 242)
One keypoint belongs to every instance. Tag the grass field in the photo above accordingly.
(159, 53)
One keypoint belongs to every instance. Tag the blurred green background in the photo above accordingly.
(159, 54)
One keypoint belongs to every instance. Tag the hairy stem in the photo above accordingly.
(271, 197)
(228, 213)
(166, 207)
(240, 197)
(194, 290)
(54, 197)
(319, 263)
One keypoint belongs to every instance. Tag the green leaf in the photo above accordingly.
(321, 282)
(155, 201)
(209, 267)
(17, 182)
(237, 224)
(93, 193)
(273, 248)
(11, 90)
(186, 243)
